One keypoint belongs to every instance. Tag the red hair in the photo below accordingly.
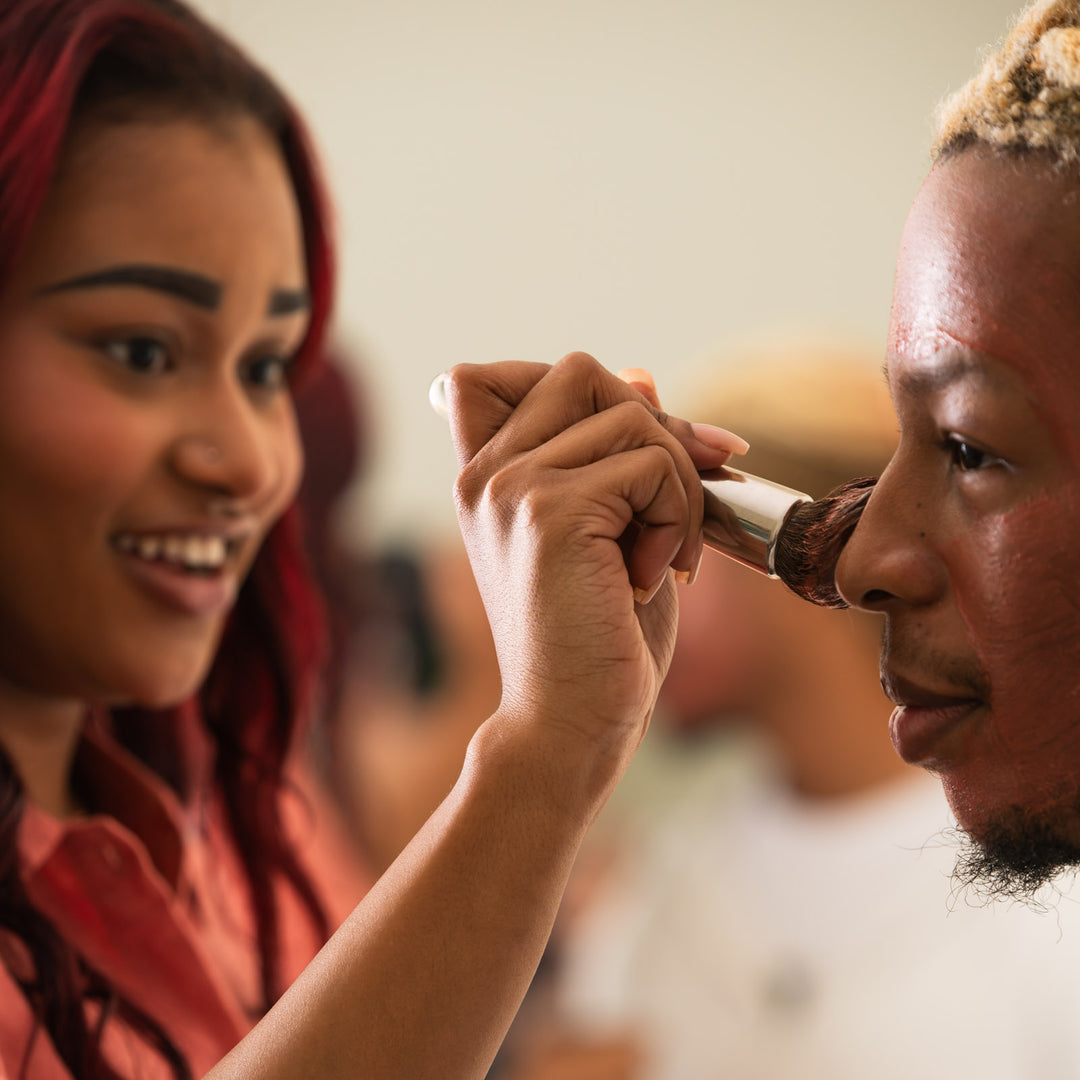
(63, 62)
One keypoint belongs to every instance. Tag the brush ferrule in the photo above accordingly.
(744, 515)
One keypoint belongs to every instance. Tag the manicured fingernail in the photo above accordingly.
(637, 375)
(718, 438)
(688, 577)
(436, 395)
(644, 596)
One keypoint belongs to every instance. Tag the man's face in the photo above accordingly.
(970, 544)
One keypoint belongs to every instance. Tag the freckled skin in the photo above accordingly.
(977, 569)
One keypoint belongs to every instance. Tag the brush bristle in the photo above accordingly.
(813, 535)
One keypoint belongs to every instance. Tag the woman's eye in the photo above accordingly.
(142, 355)
(269, 372)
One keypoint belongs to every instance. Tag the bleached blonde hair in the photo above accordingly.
(1027, 95)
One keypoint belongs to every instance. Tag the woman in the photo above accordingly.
(165, 278)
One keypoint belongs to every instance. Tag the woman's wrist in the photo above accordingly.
(549, 769)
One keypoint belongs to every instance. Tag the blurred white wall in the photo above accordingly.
(652, 181)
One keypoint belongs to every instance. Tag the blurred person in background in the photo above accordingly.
(777, 904)
(412, 665)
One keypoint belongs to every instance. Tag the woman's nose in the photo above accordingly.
(890, 559)
(227, 447)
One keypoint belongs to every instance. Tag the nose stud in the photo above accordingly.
(203, 449)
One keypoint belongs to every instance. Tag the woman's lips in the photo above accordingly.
(176, 588)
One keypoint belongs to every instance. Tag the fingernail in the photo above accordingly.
(436, 395)
(637, 375)
(718, 438)
(688, 577)
(644, 596)
(696, 568)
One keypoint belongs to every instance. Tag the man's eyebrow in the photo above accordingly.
(943, 369)
(197, 289)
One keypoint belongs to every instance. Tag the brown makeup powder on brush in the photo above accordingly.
(782, 532)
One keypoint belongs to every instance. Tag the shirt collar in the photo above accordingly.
(121, 788)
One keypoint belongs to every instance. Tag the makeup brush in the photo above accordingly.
(773, 529)
(782, 532)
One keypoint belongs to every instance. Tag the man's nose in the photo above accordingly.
(890, 559)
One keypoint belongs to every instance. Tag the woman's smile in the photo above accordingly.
(192, 571)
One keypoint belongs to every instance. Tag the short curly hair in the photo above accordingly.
(1027, 94)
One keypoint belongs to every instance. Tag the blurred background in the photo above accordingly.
(652, 181)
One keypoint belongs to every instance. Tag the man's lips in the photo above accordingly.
(927, 725)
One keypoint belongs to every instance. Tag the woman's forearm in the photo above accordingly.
(424, 978)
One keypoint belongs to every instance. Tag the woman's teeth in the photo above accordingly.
(190, 552)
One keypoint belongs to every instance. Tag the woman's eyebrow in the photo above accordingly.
(195, 288)
(288, 301)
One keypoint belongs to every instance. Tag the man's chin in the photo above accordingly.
(1015, 853)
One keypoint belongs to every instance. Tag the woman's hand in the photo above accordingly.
(575, 491)
(577, 499)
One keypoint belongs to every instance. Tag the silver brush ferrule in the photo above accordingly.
(744, 515)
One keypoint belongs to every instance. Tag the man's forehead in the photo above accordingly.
(990, 263)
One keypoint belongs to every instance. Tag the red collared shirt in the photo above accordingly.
(152, 894)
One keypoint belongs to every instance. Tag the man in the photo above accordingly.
(968, 545)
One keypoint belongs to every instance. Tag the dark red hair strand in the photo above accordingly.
(68, 62)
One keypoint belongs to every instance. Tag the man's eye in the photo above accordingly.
(269, 372)
(142, 355)
(968, 458)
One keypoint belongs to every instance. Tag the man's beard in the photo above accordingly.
(1016, 856)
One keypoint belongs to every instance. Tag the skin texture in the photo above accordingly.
(968, 545)
(580, 427)
(127, 408)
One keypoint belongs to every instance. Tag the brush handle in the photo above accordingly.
(744, 514)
